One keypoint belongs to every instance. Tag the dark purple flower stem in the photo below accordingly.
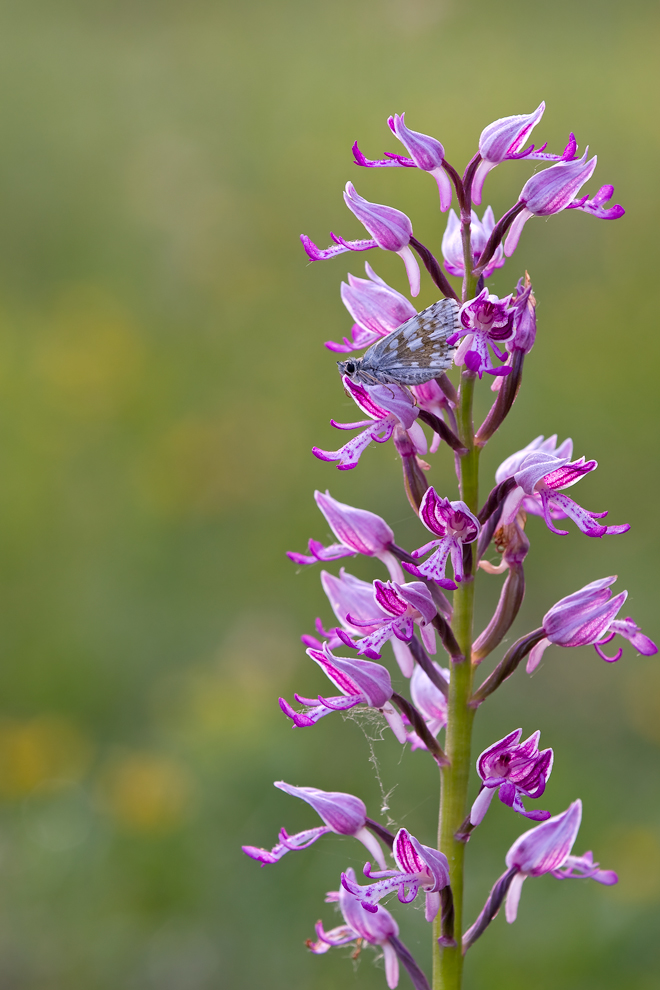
(447, 387)
(490, 908)
(505, 399)
(449, 641)
(434, 269)
(425, 662)
(447, 939)
(419, 981)
(440, 427)
(507, 665)
(499, 230)
(421, 728)
(382, 832)
(511, 598)
(495, 499)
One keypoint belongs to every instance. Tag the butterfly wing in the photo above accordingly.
(415, 352)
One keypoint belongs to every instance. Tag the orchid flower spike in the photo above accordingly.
(390, 230)
(357, 531)
(487, 321)
(555, 189)
(381, 612)
(588, 618)
(425, 152)
(375, 306)
(541, 475)
(361, 682)
(515, 770)
(418, 868)
(341, 813)
(387, 407)
(480, 231)
(504, 140)
(379, 930)
(456, 526)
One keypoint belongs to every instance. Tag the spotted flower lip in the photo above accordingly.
(487, 322)
(418, 868)
(588, 618)
(387, 407)
(480, 231)
(361, 683)
(455, 526)
(376, 929)
(358, 531)
(515, 770)
(541, 476)
(555, 189)
(403, 605)
(343, 814)
(390, 230)
(362, 612)
(375, 306)
(504, 140)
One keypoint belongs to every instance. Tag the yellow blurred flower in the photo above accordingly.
(148, 792)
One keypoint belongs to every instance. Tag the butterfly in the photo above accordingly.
(414, 353)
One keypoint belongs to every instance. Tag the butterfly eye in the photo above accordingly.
(350, 368)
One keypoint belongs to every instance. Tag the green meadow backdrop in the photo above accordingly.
(162, 380)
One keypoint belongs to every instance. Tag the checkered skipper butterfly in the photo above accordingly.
(414, 353)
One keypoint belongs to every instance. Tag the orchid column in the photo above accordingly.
(407, 605)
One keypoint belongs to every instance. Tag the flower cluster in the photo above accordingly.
(407, 691)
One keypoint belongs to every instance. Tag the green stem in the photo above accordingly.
(448, 963)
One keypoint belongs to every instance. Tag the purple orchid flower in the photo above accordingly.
(555, 189)
(351, 599)
(531, 504)
(404, 606)
(504, 140)
(357, 531)
(342, 814)
(419, 868)
(377, 929)
(429, 701)
(515, 770)
(390, 230)
(375, 306)
(543, 849)
(487, 322)
(455, 525)
(546, 849)
(524, 318)
(480, 231)
(588, 618)
(541, 476)
(361, 682)
(387, 406)
(425, 152)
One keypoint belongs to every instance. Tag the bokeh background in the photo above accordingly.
(162, 380)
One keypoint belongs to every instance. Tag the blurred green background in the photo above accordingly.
(162, 380)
